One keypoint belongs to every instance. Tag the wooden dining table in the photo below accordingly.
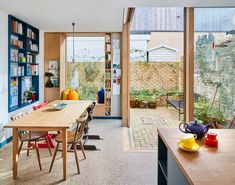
(48, 119)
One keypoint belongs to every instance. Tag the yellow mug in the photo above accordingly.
(188, 140)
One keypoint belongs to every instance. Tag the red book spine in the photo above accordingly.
(14, 26)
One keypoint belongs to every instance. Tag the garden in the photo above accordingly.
(151, 98)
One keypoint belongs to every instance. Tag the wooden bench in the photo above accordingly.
(178, 104)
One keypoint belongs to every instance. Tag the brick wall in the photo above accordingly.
(151, 75)
(156, 75)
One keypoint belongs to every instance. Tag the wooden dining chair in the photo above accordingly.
(73, 138)
(32, 137)
(50, 136)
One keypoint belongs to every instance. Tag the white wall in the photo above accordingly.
(4, 115)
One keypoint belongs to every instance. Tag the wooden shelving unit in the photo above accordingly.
(108, 76)
(23, 66)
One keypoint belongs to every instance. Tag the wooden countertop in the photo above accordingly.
(207, 166)
(47, 117)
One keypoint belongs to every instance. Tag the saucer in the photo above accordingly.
(193, 149)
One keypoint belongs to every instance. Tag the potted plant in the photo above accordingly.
(207, 114)
(133, 102)
(133, 99)
(152, 102)
(29, 95)
(141, 101)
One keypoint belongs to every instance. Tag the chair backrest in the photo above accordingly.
(81, 123)
(19, 115)
(90, 109)
(40, 105)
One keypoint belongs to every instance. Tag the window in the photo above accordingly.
(214, 54)
(86, 74)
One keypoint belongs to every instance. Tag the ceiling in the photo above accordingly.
(89, 15)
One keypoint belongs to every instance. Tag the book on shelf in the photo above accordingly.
(14, 55)
(16, 42)
(17, 27)
(14, 92)
(108, 94)
(32, 58)
(32, 47)
(108, 65)
(108, 57)
(107, 38)
(16, 70)
(107, 75)
(107, 84)
(32, 70)
(31, 34)
(108, 47)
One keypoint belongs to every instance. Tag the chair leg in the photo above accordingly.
(53, 159)
(76, 157)
(48, 145)
(38, 156)
(83, 151)
(21, 144)
(28, 147)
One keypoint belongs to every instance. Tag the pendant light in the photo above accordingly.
(73, 24)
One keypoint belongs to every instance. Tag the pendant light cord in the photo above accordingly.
(73, 24)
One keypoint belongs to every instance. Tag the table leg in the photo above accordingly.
(15, 152)
(64, 145)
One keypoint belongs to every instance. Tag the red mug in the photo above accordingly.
(210, 139)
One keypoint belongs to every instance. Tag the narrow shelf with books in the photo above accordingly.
(108, 67)
(23, 64)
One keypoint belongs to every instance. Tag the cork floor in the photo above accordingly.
(115, 164)
(145, 122)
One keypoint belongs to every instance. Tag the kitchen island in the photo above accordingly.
(207, 166)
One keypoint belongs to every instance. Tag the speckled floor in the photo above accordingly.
(115, 164)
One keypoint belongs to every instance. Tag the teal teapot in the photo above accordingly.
(195, 128)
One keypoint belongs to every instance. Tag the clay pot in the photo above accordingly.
(152, 105)
(141, 104)
(133, 103)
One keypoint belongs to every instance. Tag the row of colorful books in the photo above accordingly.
(32, 47)
(32, 58)
(17, 27)
(31, 34)
(16, 70)
(32, 70)
(16, 42)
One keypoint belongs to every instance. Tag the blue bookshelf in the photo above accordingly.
(23, 63)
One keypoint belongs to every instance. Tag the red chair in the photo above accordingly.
(49, 136)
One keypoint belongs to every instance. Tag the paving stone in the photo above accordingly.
(145, 122)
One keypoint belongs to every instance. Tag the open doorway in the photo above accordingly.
(156, 73)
